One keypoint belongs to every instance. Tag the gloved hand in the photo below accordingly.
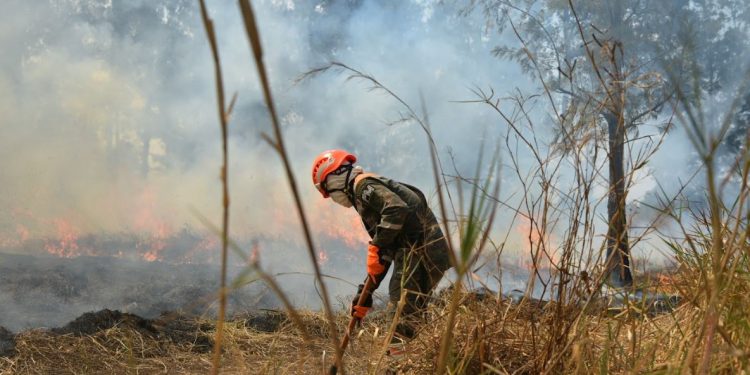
(359, 311)
(376, 262)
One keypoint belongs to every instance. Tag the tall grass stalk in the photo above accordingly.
(223, 119)
(278, 145)
(391, 331)
(474, 229)
(725, 238)
(277, 142)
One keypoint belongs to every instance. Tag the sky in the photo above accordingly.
(108, 116)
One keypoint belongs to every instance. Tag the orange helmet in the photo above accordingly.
(326, 163)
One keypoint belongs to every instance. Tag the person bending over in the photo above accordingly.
(403, 230)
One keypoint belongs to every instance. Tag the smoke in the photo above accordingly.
(109, 123)
(109, 116)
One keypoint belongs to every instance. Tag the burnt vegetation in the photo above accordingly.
(46, 291)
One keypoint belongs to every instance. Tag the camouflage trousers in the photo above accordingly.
(417, 271)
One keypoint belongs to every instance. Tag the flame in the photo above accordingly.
(327, 220)
(344, 225)
(157, 242)
(539, 245)
(152, 255)
(67, 243)
(157, 229)
(149, 234)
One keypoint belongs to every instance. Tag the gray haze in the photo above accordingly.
(109, 116)
(109, 123)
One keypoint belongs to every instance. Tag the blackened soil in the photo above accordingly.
(40, 292)
(176, 328)
(265, 321)
(92, 322)
(183, 330)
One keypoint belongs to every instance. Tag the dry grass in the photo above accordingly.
(495, 336)
(116, 350)
(490, 336)
(126, 350)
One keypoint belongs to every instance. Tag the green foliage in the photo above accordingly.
(475, 223)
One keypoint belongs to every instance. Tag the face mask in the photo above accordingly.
(336, 181)
(341, 198)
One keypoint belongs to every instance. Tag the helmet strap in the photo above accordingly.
(349, 190)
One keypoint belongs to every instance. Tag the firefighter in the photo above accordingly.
(403, 230)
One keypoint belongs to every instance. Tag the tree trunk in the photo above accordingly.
(618, 249)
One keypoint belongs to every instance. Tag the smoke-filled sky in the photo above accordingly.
(109, 119)
(108, 116)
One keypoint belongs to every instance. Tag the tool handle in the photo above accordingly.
(366, 291)
(353, 321)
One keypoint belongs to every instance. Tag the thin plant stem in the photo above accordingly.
(253, 35)
(211, 34)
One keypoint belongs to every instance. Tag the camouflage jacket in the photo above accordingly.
(396, 216)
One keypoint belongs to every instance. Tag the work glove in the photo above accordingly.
(377, 261)
(359, 311)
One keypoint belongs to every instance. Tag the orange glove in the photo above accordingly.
(359, 311)
(374, 267)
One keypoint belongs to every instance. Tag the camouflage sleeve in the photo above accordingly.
(392, 209)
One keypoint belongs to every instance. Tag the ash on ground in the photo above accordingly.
(173, 327)
(264, 321)
(37, 292)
